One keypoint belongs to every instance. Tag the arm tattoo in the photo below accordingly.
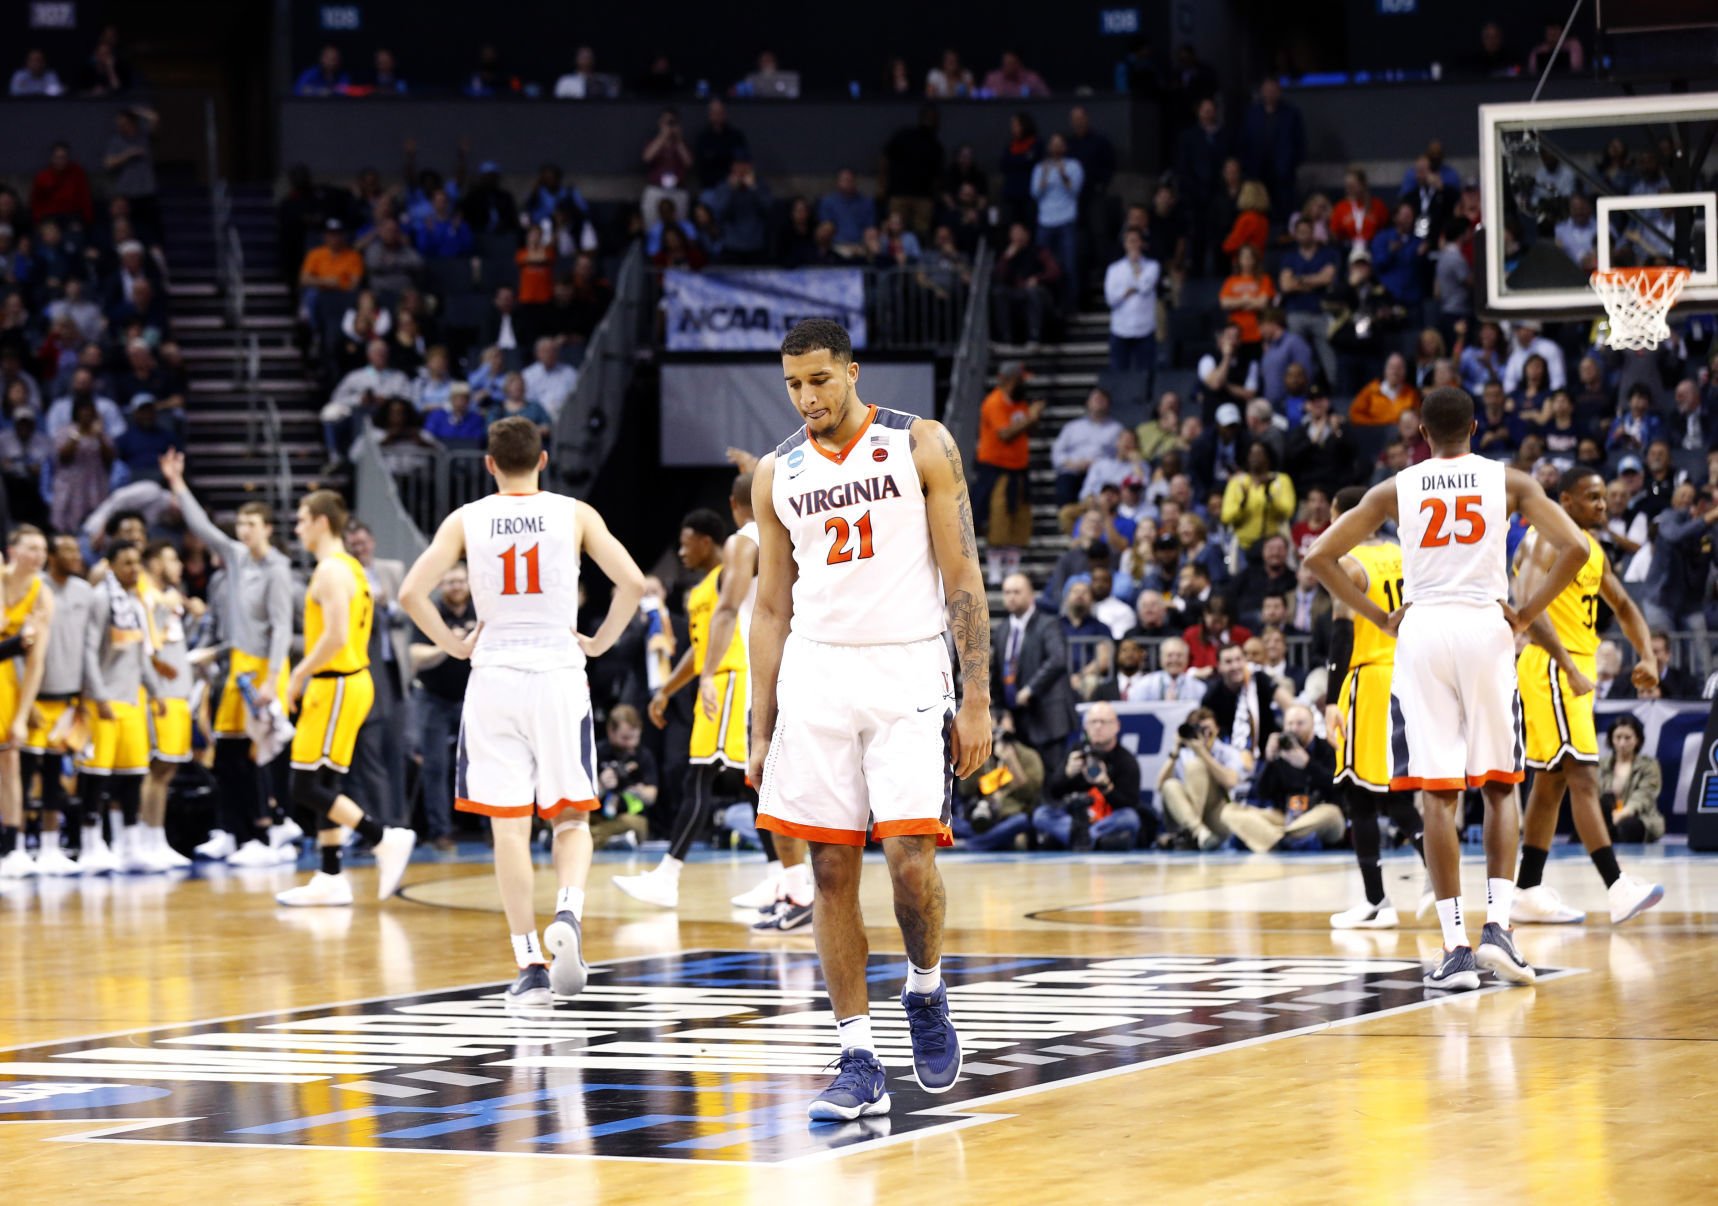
(969, 621)
(962, 499)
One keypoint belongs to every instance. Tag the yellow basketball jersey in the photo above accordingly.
(354, 655)
(1575, 612)
(17, 613)
(1383, 565)
(701, 603)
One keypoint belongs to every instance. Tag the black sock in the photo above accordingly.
(128, 794)
(1372, 875)
(367, 829)
(330, 860)
(694, 807)
(1533, 866)
(72, 826)
(1605, 859)
(766, 839)
(1363, 827)
(8, 839)
(33, 824)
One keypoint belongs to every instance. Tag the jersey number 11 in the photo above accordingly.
(510, 571)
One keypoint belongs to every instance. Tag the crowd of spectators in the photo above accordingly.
(92, 383)
(433, 306)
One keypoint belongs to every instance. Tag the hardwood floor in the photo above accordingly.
(1186, 1028)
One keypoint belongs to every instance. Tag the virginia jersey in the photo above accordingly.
(1574, 613)
(1453, 518)
(522, 552)
(861, 538)
(1383, 565)
(354, 655)
(701, 603)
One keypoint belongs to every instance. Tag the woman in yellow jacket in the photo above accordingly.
(1259, 501)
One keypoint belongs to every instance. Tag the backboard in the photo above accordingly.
(1652, 204)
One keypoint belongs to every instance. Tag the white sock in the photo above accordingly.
(1449, 916)
(92, 834)
(527, 950)
(571, 900)
(50, 839)
(1499, 895)
(856, 1033)
(773, 868)
(924, 980)
(797, 883)
(670, 867)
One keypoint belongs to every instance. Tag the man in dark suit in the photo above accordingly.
(1242, 700)
(380, 760)
(1029, 671)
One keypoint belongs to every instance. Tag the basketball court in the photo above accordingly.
(1184, 1022)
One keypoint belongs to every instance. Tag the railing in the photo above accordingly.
(971, 369)
(589, 422)
(1298, 653)
(432, 482)
(918, 307)
(398, 534)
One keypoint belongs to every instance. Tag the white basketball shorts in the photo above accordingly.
(860, 743)
(1455, 713)
(526, 743)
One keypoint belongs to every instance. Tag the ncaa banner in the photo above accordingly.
(1148, 733)
(752, 310)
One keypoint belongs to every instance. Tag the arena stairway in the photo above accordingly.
(221, 465)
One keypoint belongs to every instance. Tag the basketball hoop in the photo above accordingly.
(1637, 300)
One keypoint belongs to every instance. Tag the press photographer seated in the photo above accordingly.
(1093, 800)
(1294, 791)
(1199, 780)
(997, 802)
(626, 779)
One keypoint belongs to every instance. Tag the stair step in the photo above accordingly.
(181, 289)
(233, 451)
(224, 352)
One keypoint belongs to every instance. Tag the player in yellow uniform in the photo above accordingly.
(1363, 658)
(164, 610)
(1556, 673)
(719, 736)
(26, 601)
(331, 691)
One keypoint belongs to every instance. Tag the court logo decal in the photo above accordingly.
(705, 1055)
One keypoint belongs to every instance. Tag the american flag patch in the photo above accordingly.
(879, 439)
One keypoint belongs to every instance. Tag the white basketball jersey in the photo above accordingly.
(1453, 518)
(861, 539)
(522, 551)
(748, 532)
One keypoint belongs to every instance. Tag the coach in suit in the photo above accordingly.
(379, 765)
(1029, 672)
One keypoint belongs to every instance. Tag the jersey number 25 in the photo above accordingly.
(1438, 530)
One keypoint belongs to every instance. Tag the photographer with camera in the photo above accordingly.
(1094, 801)
(1294, 791)
(999, 798)
(1199, 779)
(626, 781)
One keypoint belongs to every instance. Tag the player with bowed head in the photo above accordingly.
(866, 559)
(527, 742)
(1454, 707)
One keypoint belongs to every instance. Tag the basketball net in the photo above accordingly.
(1637, 300)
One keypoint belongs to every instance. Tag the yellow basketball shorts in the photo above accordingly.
(329, 716)
(1559, 723)
(723, 738)
(50, 714)
(170, 732)
(230, 716)
(119, 746)
(1363, 748)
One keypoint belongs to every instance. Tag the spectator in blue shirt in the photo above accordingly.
(667, 214)
(385, 79)
(550, 193)
(850, 212)
(1398, 256)
(1273, 144)
(1279, 348)
(444, 233)
(1499, 433)
(459, 425)
(325, 78)
(742, 208)
(144, 439)
(1434, 157)
(1308, 271)
(1056, 184)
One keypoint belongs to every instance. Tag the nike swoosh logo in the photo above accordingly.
(927, 709)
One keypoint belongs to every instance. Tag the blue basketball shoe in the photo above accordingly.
(859, 1088)
(936, 1046)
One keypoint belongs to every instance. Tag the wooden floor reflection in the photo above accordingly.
(1587, 1088)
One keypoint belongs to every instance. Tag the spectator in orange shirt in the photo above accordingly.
(1246, 292)
(335, 265)
(61, 190)
(1383, 400)
(1252, 226)
(536, 262)
(1359, 215)
(1004, 513)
